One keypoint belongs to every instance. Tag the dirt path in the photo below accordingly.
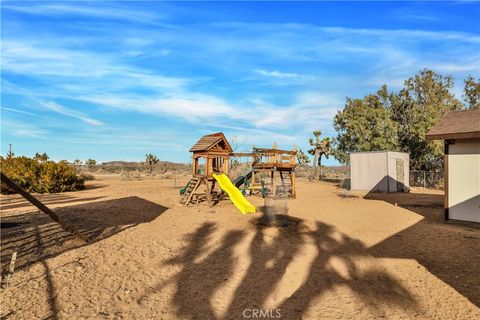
(345, 256)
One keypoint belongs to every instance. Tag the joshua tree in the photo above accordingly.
(90, 163)
(41, 157)
(151, 160)
(320, 147)
(77, 163)
(302, 157)
(10, 153)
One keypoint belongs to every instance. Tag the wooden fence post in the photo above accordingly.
(37, 203)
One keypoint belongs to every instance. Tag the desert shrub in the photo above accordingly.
(86, 176)
(125, 175)
(35, 176)
(168, 175)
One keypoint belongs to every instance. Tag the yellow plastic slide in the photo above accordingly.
(235, 195)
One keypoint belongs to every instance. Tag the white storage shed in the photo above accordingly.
(460, 131)
(379, 171)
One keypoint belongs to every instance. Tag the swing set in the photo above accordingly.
(271, 171)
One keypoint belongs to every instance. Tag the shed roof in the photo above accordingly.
(462, 124)
(209, 141)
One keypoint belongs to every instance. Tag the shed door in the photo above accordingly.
(400, 176)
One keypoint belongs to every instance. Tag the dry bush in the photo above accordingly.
(40, 176)
(87, 176)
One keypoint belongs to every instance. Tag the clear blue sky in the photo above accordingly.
(116, 80)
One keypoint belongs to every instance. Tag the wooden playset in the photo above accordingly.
(275, 169)
(272, 171)
(215, 150)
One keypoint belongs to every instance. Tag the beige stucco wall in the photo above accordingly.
(464, 180)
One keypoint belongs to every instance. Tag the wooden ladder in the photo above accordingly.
(192, 186)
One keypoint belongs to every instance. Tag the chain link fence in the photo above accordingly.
(341, 174)
(427, 179)
(176, 174)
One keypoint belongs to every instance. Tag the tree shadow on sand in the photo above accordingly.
(270, 255)
(449, 251)
(36, 237)
(47, 199)
(428, 205)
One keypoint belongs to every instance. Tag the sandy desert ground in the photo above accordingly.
(343, 256)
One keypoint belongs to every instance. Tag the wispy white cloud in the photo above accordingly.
(399, 34)
(37, 102)
(38, 60)
(167, 97)
(309, 110)
(55, 107)
(139, 42)
(97, 10)
(146, 139)
(466, 66)
(192, 74)
(252, 135)
(23, 129)
(279, 41)
(281, 75)
(15, 110)
(114, 84)
(421, 17)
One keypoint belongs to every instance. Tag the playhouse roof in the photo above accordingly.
(457, 125)
(209, 141)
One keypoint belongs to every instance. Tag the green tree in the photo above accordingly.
(90, 163)
(400, 121)
(302, 158)
(425, 99)
(365, 125)
(471, 93)
(151, 161)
